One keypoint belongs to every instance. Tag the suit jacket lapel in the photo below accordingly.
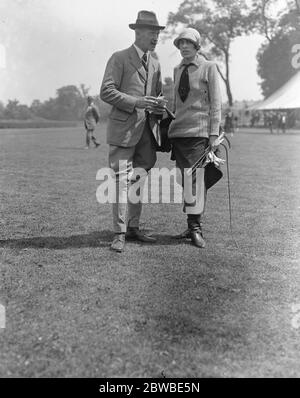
(137, 63)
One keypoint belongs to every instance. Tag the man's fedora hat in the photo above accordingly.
(146, 19)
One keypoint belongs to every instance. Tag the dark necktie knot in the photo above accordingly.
(184, 83)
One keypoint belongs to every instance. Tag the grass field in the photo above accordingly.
(76, 309)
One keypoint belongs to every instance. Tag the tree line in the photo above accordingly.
(68, 104)
(219, 22)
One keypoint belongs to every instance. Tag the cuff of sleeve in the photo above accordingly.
(214, 130)
(130, 106)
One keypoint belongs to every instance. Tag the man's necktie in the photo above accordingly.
(144, 62)
(184, 84)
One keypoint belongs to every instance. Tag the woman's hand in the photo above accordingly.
(214, 142)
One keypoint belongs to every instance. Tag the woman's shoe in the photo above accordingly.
(197, 238)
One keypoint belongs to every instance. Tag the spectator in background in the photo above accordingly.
(228, 124)
(235, 123)
(275, 120)
(269, 121)
(91, 118)
(252, 121)
(283, 122)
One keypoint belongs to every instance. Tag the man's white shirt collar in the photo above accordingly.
(141, 52)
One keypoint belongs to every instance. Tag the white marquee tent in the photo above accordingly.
(286, 97)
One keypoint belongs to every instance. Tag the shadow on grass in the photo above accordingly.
(166, 240)
(93, 239)
(74, 148)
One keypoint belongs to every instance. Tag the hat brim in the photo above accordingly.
(177, 40)
(134, 26)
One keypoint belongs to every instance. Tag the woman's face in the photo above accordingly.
(187, 49)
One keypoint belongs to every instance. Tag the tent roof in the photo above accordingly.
(286, 97)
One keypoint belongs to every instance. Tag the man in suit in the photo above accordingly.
(131, 83)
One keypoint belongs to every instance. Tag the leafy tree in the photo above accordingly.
(11, 110)
(14, 110)
(24, 112)
(2, 110)
(274, 57)
(274, 66)
(269, 23)
(219, 22)
(36, 107)
(264, 22)
(69, 103)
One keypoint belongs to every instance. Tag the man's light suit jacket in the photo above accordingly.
(124, 80)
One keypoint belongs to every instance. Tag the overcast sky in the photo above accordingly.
(46, 44)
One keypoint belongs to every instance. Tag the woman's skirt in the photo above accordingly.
(186, 151)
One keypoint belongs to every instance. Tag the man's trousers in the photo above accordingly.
(124, 161)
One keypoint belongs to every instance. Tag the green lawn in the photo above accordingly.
(76, 309)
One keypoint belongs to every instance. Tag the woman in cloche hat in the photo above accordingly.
(198, 115)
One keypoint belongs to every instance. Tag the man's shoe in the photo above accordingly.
(136, 234)
(118, 243)
(184, 235)
(197, 238)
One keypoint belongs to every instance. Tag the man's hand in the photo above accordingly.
(157, 110)
(145, 102)
(152, 104)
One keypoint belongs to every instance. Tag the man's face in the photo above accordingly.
(187, 48)
(146, 39)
